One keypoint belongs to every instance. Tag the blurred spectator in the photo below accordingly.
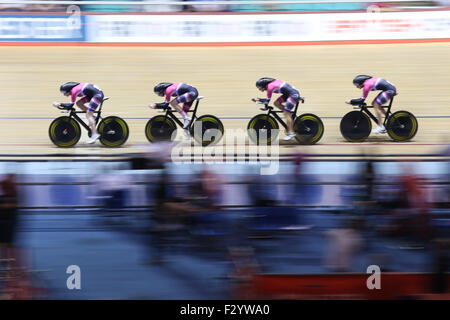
(211, 187)
(440, 265)
(33, 7)
(8, 214)
(109, 7)
(47, 7)
(416, 206)
(263, 190)
(248, 8)
(243, 267)
(113, 188)
(298, 7)
(368, 180)
(174, 211)
(343, 246)
(444, 3)
(363, 200)
(14, 7)
(162, 8)
(445, 197)
(299, 180)
(205, 7)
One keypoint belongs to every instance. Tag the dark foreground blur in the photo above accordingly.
(188, 241)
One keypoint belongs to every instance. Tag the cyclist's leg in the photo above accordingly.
(380, 99)
(289, 121)
(176, 104)
(81, 104)
(279, 104)
(93, 104)
(291, 101)
(187, 99)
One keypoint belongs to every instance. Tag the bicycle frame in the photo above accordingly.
(74, 114)
(277, 117)
(364, 108)
(169, 113)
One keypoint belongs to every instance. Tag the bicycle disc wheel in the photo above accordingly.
(308, 128)
(207, 130)
(355, 126)
(160, 128)
(262, 129)
(64, 132)
(402, 126)
(113, 131)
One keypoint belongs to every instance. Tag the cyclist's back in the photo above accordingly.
(378, 84)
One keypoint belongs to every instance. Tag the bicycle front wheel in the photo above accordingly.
(64, 132)
(207, 130)
(262, 129)
(160, 128)
(402, 126)
(113, 131)
(308, 128)
(355, 126)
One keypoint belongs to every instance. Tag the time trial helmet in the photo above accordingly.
(66, 87)
(161, 87)
(359, 80)
(263, 82)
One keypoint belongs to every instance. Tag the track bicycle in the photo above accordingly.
(356, 125)
(206, 129)
(65, 131)
(263, 128)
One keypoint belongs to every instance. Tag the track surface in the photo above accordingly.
(225, 76)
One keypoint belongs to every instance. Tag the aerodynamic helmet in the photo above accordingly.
(66, 87)
(263, 82)
(160, 88)
(359, 80)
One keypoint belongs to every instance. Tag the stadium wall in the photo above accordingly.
(164, 29)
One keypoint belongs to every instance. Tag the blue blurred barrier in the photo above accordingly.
(273, 218)
(48, 28)
(294, 7)
(210, 224)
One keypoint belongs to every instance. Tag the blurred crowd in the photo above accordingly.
(168, 7)
(406, 210)
(282, 220)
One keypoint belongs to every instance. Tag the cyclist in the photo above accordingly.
(86, 92)
(182, 92)
(368, 83)
(289, 95)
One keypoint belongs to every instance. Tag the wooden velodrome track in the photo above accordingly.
(30, 79)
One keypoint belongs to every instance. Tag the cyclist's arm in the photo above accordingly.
(67, 105)
(356, 102)
(161, 105)
(171, 91)
(269, 92)
(368, 85)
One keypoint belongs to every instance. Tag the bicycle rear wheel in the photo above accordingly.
(355, 126)
(308, 128)
(262, 129)
(207, 130)
(402, 126)
(160, 128)
(113, 131)
(64, 132)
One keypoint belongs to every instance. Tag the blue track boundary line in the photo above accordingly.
(225, 118)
